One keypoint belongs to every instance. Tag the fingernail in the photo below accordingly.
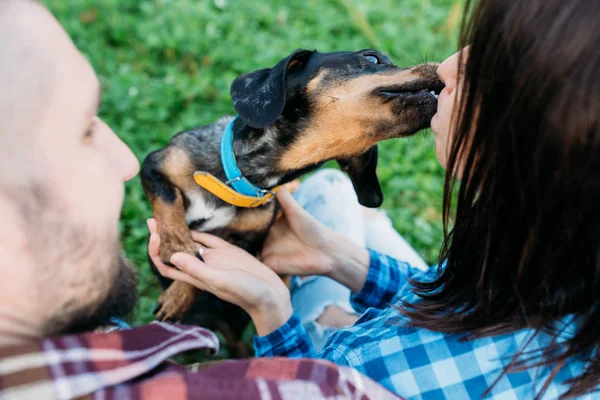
(175, 258)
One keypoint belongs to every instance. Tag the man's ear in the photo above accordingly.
(259, 96)
(362, 171)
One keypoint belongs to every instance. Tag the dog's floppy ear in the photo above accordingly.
(362, 171)
(259, 96)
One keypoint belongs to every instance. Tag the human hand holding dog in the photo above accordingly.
(298, 244)
(231, 274)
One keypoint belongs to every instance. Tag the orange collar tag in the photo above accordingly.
(228, 195)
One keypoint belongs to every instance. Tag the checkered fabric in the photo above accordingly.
(418, 363)
(133, 364)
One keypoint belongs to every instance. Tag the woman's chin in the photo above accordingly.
(434, 124)
(441, 157)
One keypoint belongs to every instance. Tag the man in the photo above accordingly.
(61, 190)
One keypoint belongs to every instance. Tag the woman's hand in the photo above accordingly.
(298, 244)
(231, 274)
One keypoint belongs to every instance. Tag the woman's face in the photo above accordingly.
(441, 122)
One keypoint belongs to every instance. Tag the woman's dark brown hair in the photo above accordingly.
(524, 251)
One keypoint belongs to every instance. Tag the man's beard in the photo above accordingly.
(84, 277)
(119, 302)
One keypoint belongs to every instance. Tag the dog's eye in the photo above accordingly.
(372, 59)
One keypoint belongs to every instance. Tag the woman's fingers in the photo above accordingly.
(154, 245)
(177, 275)
(209, 240)
(287, 202)
(154, 253)
(188, 264)
(275, 239)
(195, 271)
(152, 226)
(293, 211)
(188, 268)
(165, 270)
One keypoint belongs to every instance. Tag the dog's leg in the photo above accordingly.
(175, 302)
(175, 235)
(237, 348)
(178, 298)
(169, 211)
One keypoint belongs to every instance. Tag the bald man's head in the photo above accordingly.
(27, 71)
(61, 182)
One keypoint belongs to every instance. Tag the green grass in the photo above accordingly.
(166, 65)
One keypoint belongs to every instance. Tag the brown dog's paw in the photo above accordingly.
(173, 243)
(175, 302)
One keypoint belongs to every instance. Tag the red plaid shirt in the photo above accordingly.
(133, 364)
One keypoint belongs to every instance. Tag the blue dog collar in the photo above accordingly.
(232, 172)
(117, 325)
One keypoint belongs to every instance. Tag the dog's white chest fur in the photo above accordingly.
(215, 217)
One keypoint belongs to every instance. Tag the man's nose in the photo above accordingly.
(119, 154)
(130, 164)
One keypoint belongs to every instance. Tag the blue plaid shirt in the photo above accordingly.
(418, 363)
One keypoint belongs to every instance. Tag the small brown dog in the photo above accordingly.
(308, 109)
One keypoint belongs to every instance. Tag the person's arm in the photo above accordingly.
(298, 244)
(384, 280)
(289, 340)
(373, 278)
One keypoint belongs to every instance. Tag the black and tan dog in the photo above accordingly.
(308, 109)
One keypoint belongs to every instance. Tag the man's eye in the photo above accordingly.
(89, 133)
(372, 59)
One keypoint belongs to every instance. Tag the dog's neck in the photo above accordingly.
(258, 152)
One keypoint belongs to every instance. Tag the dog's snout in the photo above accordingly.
(426, 68)
(427, 74)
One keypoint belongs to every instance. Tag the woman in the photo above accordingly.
(512, 310)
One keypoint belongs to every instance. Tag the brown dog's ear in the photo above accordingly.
(259, 96)
(362, 171)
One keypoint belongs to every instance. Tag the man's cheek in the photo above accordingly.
(94, 198)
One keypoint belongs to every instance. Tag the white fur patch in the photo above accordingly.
(273, 181)
(221, 217)
(200, 210)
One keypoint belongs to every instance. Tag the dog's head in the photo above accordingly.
(338, 106)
